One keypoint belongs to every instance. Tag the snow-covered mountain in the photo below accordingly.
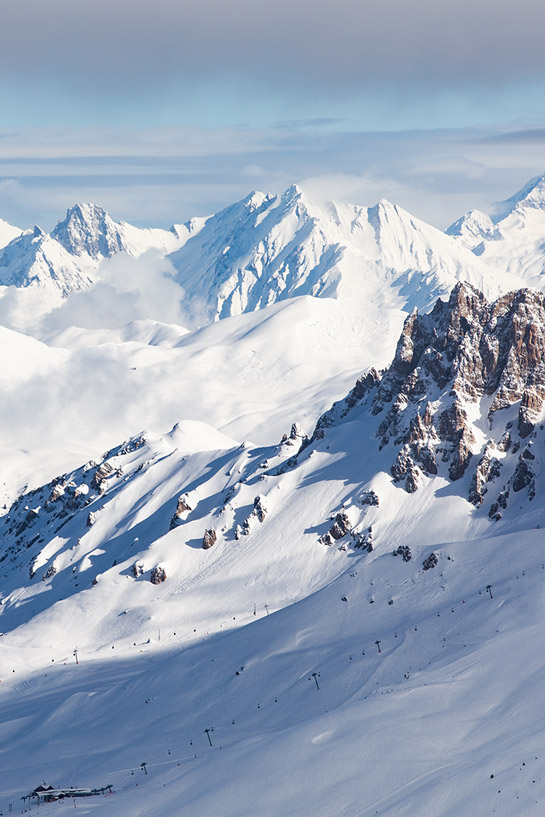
(7, 232)
(66, 260)
(268, 248)
(397, 548)
(77, 392)
(320, 592)
(514, 238)
(261, 250)
(455, 421)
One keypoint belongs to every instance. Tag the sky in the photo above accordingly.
(167, 109)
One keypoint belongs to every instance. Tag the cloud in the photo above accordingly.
(160, 48)
(130, 289)
(168, 175)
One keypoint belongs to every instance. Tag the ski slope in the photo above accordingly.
(438, 722)
(283, 670)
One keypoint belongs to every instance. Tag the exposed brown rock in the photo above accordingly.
(158, 575)
(259, 513)
(182, 508)
(487, 470)
(405, 468)
(137, 569)
(369, 498)
(531, 407)
(260, 509)
(464, 351)
(340, 527)
(100, 476)
(209, 538)
(523, 475)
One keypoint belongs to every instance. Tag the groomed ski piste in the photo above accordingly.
(443, 716)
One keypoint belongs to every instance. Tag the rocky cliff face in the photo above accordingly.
(464, 393)
(457, 418)
(89, 229)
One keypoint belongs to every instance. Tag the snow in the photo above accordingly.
(249, 376)
(446, 718)
(268, 248)
(513, 240)
(422, 726)
(7, 232)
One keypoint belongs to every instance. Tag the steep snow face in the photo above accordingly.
(514, 239)
(473, 228)
(7, 232)
(36, 259)
(529, 197)
(269, 248)
(258, 251)
(418, 262)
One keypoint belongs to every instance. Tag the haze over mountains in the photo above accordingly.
(308, 519)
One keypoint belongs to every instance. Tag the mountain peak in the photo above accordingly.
(474, 228)
(292, 192)
(89, 229)
(531, 196)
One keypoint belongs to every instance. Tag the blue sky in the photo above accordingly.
(165, 109)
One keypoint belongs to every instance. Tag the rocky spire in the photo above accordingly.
(89, 229)
(467, 365)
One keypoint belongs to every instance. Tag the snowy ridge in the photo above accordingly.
(514, 239)
(7, 232)
(438, 415)
(67, 259)
(268, 248)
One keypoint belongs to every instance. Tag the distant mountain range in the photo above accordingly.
(266, 248)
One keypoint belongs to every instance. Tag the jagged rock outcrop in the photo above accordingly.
(209, 539)
(466, 355)
(296, 436)
(340, 528)
(51, 570)
(430, 562)
(258, 513)
(523, 476)
(260, 508)
(531, 407)
(100, 477)
(487, 470)
(182, 509)
(137, 569)
(158, 575)
(369, 498)
(364, 539)
(89, 229)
